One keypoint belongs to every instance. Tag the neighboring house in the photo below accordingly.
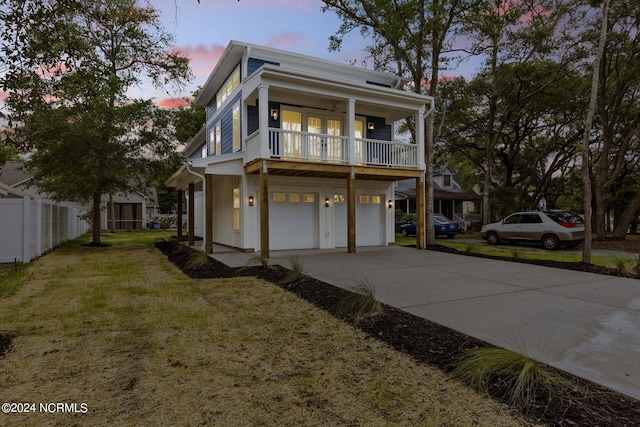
(131, 210)
(449, 199)
(31, 224)
(14, 174)
(298, 152)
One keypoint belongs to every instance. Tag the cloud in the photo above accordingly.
(286, 39)
(202, 58)
(174, 102)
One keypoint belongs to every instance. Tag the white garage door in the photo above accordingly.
(293, 220)
(370, 229)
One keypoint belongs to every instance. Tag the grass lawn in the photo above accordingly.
(523, 252)
(122, 330)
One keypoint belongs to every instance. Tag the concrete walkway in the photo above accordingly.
(583, 323)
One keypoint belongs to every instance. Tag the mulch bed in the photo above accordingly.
(583, 404)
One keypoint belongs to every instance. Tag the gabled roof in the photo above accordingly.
(8, 191)
(14, 173)
(236, 51)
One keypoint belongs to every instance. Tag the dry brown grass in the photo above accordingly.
(124, 331)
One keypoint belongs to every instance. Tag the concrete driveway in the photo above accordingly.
(586, 324)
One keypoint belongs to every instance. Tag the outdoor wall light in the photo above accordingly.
(274, 113)
(371, 126)
(250, 200)
(326, 202)
(390, 204)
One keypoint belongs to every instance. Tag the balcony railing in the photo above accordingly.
(386, 153)
(313, 147)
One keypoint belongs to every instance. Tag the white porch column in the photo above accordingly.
(263, 120)
(420, 139)
(351, 119)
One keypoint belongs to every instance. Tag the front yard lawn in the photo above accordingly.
(125, 332)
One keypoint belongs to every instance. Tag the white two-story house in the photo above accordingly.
(298, 152)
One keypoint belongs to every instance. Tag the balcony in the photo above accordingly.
(331, 149)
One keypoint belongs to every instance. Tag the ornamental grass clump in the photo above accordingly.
(259, 259)
(296, 269)
(361, 302)
(196, 259)
(510, 376)
(622, 265)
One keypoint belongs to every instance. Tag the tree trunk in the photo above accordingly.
(96, 219)
(627, 218)
(586, 179)
(601, 212)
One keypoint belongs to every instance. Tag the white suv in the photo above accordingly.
(550, 228)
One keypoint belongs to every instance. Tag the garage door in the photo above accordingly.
(370, 230)
(293, 220)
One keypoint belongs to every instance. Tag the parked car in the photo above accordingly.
(443, 227)
(552, 229)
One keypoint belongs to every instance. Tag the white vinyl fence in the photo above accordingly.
(29, 228)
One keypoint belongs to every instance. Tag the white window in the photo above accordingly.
(218, 136)
(236, 128)
(232, 82)
(236, 209)
(447, 181)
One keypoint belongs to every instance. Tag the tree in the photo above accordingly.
(70, 65)
(411, 38)
(618, 112)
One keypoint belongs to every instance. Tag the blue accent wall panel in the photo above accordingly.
(253, 64)
(197, 154)
(382, 131)
(226, 122)
(253, 121)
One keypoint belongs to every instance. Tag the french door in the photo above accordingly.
(325, 142)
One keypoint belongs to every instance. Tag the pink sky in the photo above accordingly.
(202, 31)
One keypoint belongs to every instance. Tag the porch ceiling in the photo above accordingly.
(299, 89)
(324, 170)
